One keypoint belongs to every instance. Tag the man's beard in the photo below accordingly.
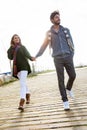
(57, 23)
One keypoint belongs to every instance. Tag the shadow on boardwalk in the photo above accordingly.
(45, 112)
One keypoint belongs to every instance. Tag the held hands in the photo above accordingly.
(33, 59)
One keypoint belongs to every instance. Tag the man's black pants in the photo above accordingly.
(67, 63)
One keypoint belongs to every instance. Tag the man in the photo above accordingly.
(60, 40)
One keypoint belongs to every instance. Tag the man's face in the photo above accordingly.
(56, 19)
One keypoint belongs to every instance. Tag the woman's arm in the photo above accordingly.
(10, 53)
(27, 54)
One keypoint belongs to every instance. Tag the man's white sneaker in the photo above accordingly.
(70, 93)
(66, 106)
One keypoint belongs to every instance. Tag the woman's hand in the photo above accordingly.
(33, 58)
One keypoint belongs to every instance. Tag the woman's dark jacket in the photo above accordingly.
(22, 57)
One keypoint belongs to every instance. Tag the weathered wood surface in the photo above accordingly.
(45, 112)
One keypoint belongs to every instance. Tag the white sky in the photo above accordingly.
(30, 20)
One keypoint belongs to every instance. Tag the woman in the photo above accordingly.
(21, 68)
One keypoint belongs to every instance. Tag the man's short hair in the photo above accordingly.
(53, 14)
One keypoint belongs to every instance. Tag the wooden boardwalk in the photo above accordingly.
(45, 112)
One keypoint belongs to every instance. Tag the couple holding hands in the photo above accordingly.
(60, 40)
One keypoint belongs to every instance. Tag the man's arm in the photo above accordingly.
(71, 44)
(44, 45)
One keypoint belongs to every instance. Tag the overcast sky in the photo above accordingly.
(30, 20)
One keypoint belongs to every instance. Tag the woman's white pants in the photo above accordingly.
(22, 75)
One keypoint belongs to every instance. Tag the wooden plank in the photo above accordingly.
(46, 108)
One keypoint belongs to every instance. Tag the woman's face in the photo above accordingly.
(16, 39)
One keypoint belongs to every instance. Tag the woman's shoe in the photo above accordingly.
(21, 108)
(21, 104)
(27, 98)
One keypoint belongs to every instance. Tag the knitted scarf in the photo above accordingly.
(15, 72)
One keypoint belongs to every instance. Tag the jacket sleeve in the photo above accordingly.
(70, 36)
(26, 53)
(70, 42)
(43, 46)
(10, 53)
